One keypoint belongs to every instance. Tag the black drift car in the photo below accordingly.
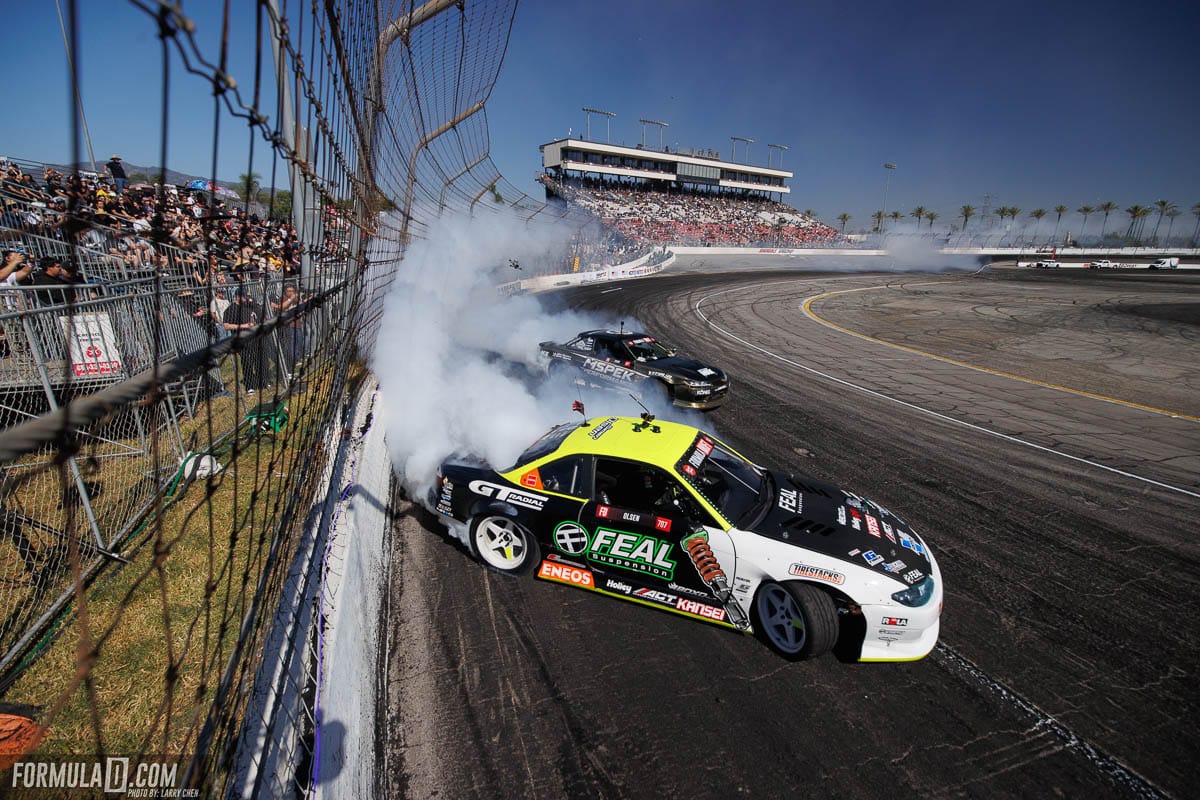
(640, 364)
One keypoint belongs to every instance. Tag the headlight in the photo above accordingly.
(917, 594)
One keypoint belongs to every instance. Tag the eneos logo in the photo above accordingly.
(564, 574)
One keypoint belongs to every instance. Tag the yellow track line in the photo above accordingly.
(807, 308)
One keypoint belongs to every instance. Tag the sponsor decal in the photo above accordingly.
(887, 528)
(689, 470)
(705, 446)
(601, 429)
(656, 596)
(700, 609)
(603, 511)
(508, 494)
(632, 551)
(686, 590)
(842, 516)
(570, 538)
(565, 574)
(820, 573)
(895, 566)
(532, 479)
(855, 518)
(854, 552)
(872, 525)
(609, 368)
(872, 558)
(896, 621)
(617, 586)
(662, 524)
(912, 576)
(790, 500)
(706, 372)
(632, 516)
(911, 544)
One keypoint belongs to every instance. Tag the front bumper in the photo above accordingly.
(702, 398)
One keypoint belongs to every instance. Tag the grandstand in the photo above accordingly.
(652, 198)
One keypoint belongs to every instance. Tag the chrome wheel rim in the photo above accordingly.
(501, 543)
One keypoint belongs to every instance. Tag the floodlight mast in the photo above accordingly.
(608, 122)
(660, 125)
(746, 154)
(780, 148)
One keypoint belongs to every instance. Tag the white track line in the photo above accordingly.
(606, 291)
(914, 407)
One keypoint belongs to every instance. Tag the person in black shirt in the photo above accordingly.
(118, 173)
(256, 367)
(57, 282)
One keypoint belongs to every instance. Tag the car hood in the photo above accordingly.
(682, 367)
(818, 516)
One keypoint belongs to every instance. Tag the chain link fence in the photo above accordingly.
(176, 409)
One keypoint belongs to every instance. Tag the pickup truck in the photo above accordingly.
(1047, 265)
(1165, 263)
(1104, 263)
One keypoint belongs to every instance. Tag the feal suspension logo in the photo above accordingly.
(634, 552)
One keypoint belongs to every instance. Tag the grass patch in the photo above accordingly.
(160, 629)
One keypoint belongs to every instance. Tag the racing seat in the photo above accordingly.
(604, 486)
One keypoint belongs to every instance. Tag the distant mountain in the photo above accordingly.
(174, 178)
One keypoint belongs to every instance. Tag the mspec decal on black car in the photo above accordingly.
(625, 360)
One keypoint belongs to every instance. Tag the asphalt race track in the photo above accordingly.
(1042, 430)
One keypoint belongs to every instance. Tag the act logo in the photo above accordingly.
(570, 538)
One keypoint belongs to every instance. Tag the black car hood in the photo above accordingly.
(682, 367)
(819, 516)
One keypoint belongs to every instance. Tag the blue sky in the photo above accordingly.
(1034, 103)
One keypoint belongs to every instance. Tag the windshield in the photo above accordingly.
(545, 445)
(736, 487)
(647, 349)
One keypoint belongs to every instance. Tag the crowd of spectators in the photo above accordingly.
(644, 214)
(101, 233)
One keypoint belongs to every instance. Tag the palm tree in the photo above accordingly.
(1163, 207)
(1087, 211)
(1172, 213)
(895, 216)
(1108, 206)
(969, 211)
(878, 217)
(932, 217)
(1136, 214)
(919, 213)
(1038, 214)
(1002, 212)
(1060, 210)
(808, 212)
(843, 218)
(1196, 232)
(247, 185)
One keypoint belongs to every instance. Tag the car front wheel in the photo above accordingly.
(796, 620)
(503, 545)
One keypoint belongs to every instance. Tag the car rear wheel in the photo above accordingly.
(503, 545)
(796, 620)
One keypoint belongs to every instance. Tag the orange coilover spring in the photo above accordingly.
(702, 556)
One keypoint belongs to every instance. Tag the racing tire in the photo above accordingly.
(503, 545)
(796, 620)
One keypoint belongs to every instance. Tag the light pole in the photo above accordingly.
(735, 140)
(886, 183)
(780, 148)
(608, 122)
(660, 125)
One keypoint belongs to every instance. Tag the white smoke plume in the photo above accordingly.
(458, 362)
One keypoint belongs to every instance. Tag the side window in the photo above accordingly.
(570, 475)
(635, 486)
(584, 344)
